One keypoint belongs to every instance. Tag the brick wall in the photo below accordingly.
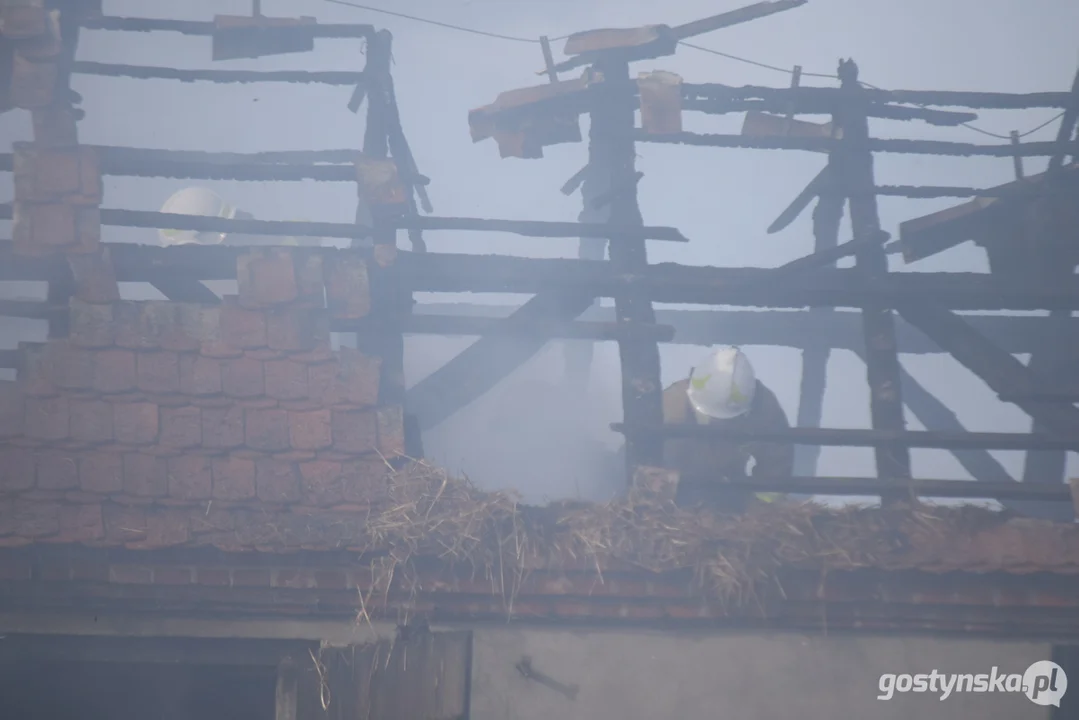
(154, 421)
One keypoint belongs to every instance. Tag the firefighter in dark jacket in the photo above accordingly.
(724, 389)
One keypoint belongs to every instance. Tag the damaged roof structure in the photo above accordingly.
(210, 455)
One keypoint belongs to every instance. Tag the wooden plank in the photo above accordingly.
(857, 486)
(854, 165)
(999, 369)
(842, 437)
(611, 147)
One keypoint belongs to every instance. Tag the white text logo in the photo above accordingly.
(1044, 683)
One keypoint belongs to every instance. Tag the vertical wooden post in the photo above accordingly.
(1044, 237)
(287, 692)
(878, 323)
(613, 150)
(1017, 159)
(385, 338)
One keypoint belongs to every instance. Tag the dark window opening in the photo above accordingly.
(80, 690)
(1067, 657)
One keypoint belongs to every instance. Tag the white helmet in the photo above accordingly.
(722, 386)
(195, 201)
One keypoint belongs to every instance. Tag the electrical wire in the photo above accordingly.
(437, 23)
(700, 48)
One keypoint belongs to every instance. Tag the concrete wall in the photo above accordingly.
(647, 676)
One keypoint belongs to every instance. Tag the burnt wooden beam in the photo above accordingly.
(612, 148)
(431, 324)
(176, 221)
(826, 221)
(143, 72)
(839, 330)
(854, 174)
(392, 297)
(286, 692)
(533, 228)
(1043, 230)
(999, 369)
(813, 144)
(842, 437)
(172, 651)
(206, 29)
(828, 98)
(186, 290)
(489, 360)
(942, 118)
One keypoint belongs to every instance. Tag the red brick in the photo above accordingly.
(266, 277)
(16, 470)
(57, 471)
(242, 378)
(138, 324)
(135, 423)
(173, 575)
(38, 228)
(252, 577)
(91, 421)
(310, 430)
(285, 379)
(296, 329)
(101, 473)
(241, 327)
(91, 326)
(215, 577)
(355, 431)
(222, 427)
(92, 269)
(184, 331)
(114, 371)
(54, 126)
(190, 478)
(81, 523)
(34, 374)
(159, 372)
(323, 483)
(33, 84)
(25, 21)
(145, 475)
(31, 519)
(165, 527)
(234, 478)
(365, 480)
(48, 418)
(69, 367)
(124, 523)
(277, 481)
(391, 431)
(181, 427)
(199, 375)
(12, 409)
(266, 429)
(358, 377)
(131, 575)
(310, 278)
(348, 291)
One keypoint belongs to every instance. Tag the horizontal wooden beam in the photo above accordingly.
(538, 228)
(827, 97)
(841, 330)
(842, 437)
(206, 29)
(427, 324)
(200, 651)
(143, 72)
(857, 486)
(813, 144)
(282, 228)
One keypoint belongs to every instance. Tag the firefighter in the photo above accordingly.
(724, 389)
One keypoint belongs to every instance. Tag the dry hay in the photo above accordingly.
(429, 515)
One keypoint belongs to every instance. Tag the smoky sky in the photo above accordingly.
(530, 433)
